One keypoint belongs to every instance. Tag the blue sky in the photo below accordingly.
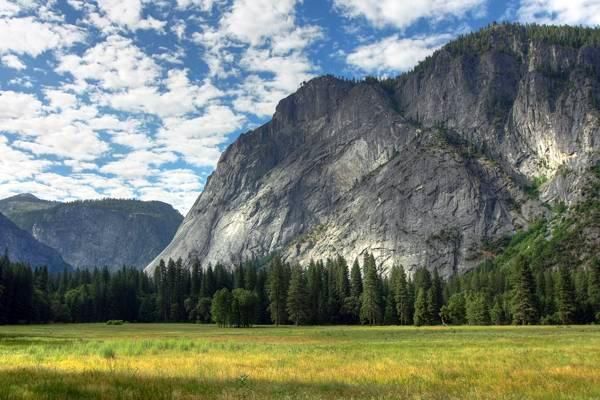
(138, 98)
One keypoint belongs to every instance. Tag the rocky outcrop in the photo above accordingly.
(420, 170)
(93, 233)
(22, 247)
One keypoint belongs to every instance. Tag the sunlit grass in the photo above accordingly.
(173, 361)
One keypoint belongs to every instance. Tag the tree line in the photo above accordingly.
(323, 292)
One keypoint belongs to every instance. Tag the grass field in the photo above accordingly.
(173, 361)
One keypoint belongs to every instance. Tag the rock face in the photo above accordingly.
(108, 232)
(420, 170)
(23, 247)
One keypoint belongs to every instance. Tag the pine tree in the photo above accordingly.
(370, 309)
(477, 310)
(524, 304)
(403, 302)
(565, 297)
(314, 291)
(420, 314)
(437, 296)
(356, 288)
(195, 281)
(455, 311)
(277, 290)
(390, 315)
(497, 314)
(594, 289)
(297, 299)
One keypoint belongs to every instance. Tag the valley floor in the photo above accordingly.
(184, 361)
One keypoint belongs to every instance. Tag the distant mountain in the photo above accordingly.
(23, 247)
(96, 232)
(490, 133)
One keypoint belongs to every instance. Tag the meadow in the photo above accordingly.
(186, 361)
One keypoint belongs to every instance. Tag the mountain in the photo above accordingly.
(96, 232)
(23, 247)
(478, 141)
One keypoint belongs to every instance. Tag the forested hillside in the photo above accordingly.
(323, 292)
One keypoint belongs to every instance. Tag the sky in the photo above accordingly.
(138, 98)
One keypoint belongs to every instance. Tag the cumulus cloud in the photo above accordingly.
(128, 13)
(116, 63)
(261, 43)
(12, 61)
(16, 165)
(204, 5)
(402, 14)
(198, 139)
(18, 105)
(179, 96)
(138, 164)
(395, 54)
(571, 12)
(30, 36)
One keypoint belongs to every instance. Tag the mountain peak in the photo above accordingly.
(24, 196)
(421, 170)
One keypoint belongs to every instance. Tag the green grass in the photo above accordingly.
(177, 361)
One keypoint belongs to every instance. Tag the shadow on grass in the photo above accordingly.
(39, 383)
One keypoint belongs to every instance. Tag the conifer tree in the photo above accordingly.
(370, 309)
(477, 310)
(497, 314)
(390, 315)
(297, 299)
(594, 289)
(356, 288)
(437, 296)
(455, 311)
(403, 301)
(277, 290)
(566, 297)
(420, 314)
(524, 303)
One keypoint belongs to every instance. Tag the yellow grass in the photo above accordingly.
(173, 361)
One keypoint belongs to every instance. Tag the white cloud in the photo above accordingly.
(75, 141)
(198, 139)
(18, 105)
(128, 13)
(260, 95)
(260, 43)
(80, 166)
(8, 9)
(254, 21)
(29, 36)
(570, 12)
(178, 28)
(12, 61)
(122, 121)
(138, 164)
(394, 53)
(115, 64)
(178, 187)
(16, 165)
(402, 13)
(180, 97)
(204, 5)
(58, 129)
(60, 100)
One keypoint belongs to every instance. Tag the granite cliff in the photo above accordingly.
(99, 233)
(478, 141)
